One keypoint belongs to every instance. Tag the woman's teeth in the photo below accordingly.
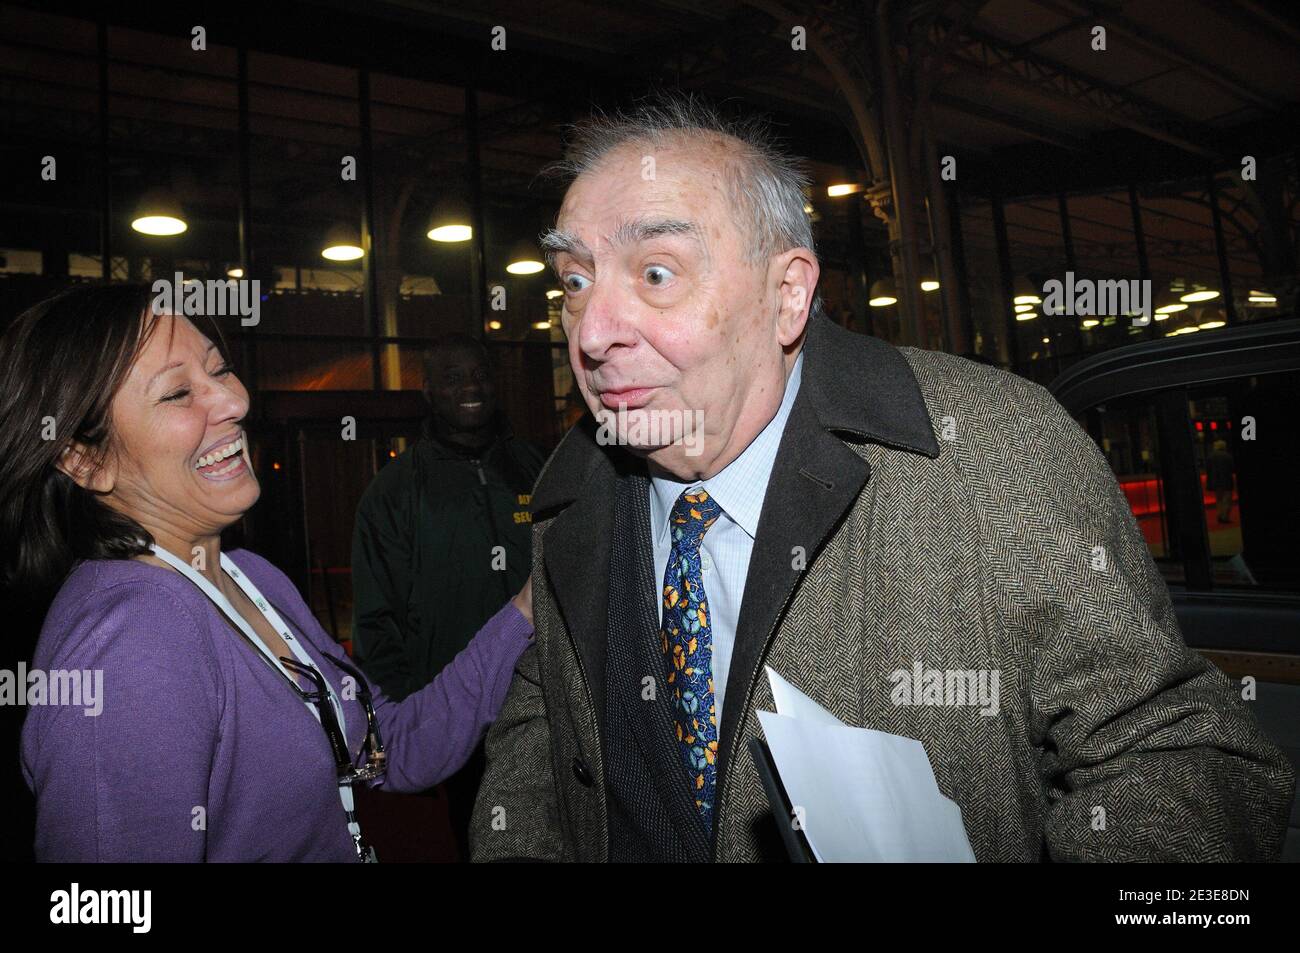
(216, 456)
(232, 465)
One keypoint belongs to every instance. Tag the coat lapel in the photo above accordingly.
(652, 723)
(855, 385)
(815, 478)
(580, 481)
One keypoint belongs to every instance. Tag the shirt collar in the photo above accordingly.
(741, 485)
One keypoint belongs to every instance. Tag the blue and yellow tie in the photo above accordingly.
(687, 639)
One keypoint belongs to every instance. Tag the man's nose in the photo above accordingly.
(608, 321)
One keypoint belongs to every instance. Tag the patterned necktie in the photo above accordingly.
(687, 641)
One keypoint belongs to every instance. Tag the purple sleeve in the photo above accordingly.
(430, 734)
(130, 782)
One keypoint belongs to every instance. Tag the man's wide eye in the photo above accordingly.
(575, 283)
(657, 275)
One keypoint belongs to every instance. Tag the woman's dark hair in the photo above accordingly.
(61, 363)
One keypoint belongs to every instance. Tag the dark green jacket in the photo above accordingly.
(423, 552)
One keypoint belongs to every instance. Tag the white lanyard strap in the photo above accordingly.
(273, 619)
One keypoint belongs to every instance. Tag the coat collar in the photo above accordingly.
(853, 383)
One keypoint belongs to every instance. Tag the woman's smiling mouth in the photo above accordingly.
(225, 462)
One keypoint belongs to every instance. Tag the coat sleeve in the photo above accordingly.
(382, 543)
(1146, 750)
(516, 816)
(517, 813)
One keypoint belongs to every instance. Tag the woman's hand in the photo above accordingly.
(524, 600)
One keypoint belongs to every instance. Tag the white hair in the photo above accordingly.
(766, 185)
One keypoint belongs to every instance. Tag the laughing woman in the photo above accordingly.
(232, 727)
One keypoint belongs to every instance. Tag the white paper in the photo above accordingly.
(862, 795)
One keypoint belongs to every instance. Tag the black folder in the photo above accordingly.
(795, 840)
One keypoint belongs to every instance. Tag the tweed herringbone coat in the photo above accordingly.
(952, 515)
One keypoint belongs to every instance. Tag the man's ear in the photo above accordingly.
(80, 465)
(798, 271)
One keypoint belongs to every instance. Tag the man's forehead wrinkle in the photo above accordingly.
(555, 241)
(714, 165)
(643, 228)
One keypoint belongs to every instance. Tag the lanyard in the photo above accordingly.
(273, 619)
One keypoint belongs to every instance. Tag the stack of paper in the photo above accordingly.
(860, 795)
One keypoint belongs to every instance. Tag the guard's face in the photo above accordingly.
(665, 317)
(460, 389)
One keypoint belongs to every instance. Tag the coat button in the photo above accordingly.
(581, 773)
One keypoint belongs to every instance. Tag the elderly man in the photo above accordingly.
(847, 510)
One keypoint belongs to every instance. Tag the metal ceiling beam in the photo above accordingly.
(1066, 27)
(986, 56)
(1007, 121)
(1261, 16)
(1164, 48)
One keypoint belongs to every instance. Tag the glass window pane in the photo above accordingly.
(1037, 249)
(173, 150)
(1246, 433)
(1181, 250)
(305, 144)
(50, 97)
(1127, 435)
(1257, 257)
(988, 304)
(291, 363)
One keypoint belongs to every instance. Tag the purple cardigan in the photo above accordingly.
(201, 751)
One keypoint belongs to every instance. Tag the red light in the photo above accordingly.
(1214, 425)
(1199, 425)
(1228, 424)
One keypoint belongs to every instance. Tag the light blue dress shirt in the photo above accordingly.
(739, 490)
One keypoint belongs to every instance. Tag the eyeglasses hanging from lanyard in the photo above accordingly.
(323, 702)
(376, 758)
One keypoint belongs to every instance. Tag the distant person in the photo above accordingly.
(1218, 478)
(442, 536)
(123, 457)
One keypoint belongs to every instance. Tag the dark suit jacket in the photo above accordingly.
(948, 514)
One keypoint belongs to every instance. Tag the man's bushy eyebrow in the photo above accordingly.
(555, 241)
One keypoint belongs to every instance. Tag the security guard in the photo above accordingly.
(442, 539)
